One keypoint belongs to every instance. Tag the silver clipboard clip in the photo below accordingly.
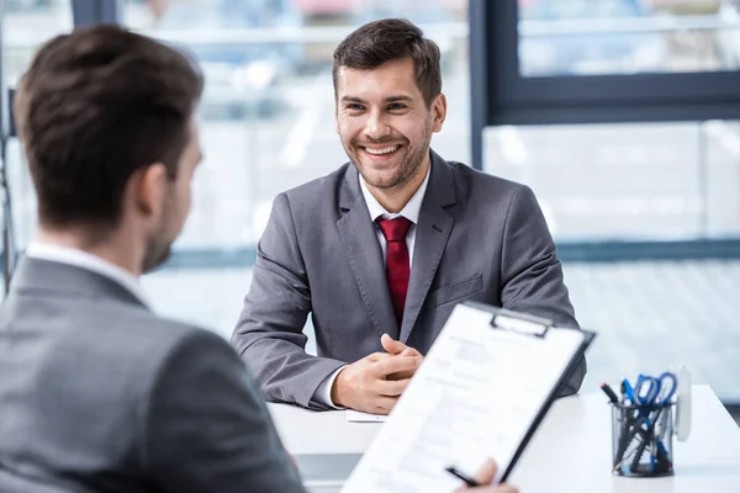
(521, 323)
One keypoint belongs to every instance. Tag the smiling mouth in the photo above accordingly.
(381, 151)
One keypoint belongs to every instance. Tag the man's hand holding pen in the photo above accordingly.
(481, 482)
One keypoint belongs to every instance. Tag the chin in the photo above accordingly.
(378, 180)
(378, 177)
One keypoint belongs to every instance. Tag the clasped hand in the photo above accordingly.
(374, 383)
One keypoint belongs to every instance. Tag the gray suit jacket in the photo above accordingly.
(479, 237)
(99, 394)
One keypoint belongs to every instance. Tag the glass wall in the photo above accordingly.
(633, 182)
(641, 181)
(268, 125)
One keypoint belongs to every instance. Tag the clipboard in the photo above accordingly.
(482, 392)
(526, 324)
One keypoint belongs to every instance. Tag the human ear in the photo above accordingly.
(149, 189)
(439, 112)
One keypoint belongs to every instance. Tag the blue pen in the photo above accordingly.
(628, 392)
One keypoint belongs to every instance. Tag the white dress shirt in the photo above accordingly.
(411, 212)
(87, 261)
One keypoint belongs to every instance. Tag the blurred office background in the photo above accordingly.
(646, 214)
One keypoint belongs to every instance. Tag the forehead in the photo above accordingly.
(395, 76)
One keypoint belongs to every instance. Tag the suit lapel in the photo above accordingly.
(365, 258)
(432, 232)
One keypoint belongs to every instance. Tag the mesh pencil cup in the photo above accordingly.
(642, 440)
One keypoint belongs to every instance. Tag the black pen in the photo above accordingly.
(460, 475)
(610, 393)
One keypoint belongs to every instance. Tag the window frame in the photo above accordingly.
(507, 98)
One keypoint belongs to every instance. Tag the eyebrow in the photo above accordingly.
(394, 99)
(389, 99)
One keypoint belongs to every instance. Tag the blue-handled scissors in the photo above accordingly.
(655, 391)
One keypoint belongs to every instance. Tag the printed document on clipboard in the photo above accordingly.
(481, 392)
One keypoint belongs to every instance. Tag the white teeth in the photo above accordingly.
(385, 150)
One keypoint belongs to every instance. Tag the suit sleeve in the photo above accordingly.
(269, 334)
(532, 276)
(206, 427)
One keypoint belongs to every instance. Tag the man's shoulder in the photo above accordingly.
(143, 328)
(124, 337)
(108, 353)
(140, 350)
(468, 180)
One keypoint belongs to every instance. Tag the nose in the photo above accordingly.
(376, 127)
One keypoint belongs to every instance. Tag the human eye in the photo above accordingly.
(354, 107)
(396, 107)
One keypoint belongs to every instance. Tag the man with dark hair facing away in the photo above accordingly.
(97, 393)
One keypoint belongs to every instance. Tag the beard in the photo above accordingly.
(411, 159)
(157, 253)
(159, 246)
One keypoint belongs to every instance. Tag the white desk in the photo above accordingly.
(570, 452)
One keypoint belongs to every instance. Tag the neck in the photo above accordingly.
(394, 199)
(115, 246)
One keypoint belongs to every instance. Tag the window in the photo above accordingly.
(623, 116)
(268, 125)
(656, 80)
(572, 61)
(668, 181)
(609, 37)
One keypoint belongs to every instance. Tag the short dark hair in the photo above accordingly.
(95, 106)
(384, 40)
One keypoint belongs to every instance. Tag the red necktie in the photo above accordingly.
(396, 260)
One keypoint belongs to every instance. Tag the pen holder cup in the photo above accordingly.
(642, 440)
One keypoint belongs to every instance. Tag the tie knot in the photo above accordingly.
(394, 229)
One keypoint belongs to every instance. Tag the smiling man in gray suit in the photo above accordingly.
(380, 251)
(97, 393)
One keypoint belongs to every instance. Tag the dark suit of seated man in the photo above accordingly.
(97, 393)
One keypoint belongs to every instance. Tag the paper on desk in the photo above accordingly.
(360, 417)
(475, 396)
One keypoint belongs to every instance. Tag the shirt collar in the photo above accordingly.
(84, 260)
(410, 211)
